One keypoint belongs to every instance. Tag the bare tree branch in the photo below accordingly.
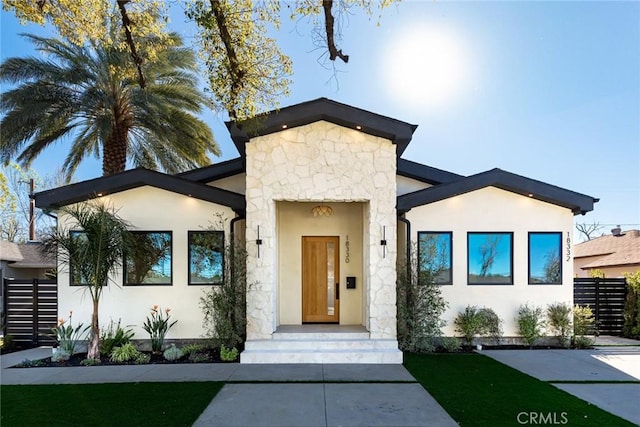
(587, 230)
(329, 23)
(126, 24)
(236, 72)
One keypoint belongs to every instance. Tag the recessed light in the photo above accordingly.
(359, 127)
(99, 194)
(284, 126)
(530, 195)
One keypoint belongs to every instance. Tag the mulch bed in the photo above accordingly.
(209, 355)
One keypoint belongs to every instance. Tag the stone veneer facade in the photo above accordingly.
(330, 163)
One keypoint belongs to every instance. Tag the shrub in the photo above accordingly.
(492, 324)
(114, 336)
(583, 321)
(559, 321)
(469, 323)
(478, 321)
(61, 355)
(631, 313)
(228, 354)
(583, 342)
(450, 344)
(142, 358)
(420, 306)
(197, 357)
(68, 336)
(7, 343)
(530, 323)
(189, 349)
(28, 363)
(583, 325)
(173, 353)
(157, 327)
(224, 306)
(125, 353)
(90, 362)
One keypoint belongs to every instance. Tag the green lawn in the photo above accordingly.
(129, 404)
(479, 391)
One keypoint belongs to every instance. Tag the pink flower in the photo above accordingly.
(155, 307)
(61, 321)
(167, 310)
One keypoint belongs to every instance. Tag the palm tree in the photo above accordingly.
(92, 254)
(90, 94)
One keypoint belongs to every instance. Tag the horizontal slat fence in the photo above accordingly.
(606, 297)
(31, 310)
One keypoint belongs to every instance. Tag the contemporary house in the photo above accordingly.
(613, 254)
(327, 207)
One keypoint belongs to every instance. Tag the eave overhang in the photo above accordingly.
(425, 173)
(82, 191)
(398, 132)
(216, 171)
(576, 202)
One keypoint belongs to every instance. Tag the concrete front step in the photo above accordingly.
(305, 336)
(322, 356)
(321, 344)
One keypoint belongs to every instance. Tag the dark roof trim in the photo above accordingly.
(398, 132)
(578, 203)
(85, 190)
(216, 171)
(426, 173)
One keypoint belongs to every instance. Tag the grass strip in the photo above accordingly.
(127, 404)
(479, 391)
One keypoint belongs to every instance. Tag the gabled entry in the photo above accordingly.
(320, 279)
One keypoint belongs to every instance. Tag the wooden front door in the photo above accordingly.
(320, 277)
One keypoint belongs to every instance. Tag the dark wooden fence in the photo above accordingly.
(31, 310)
(606, 297)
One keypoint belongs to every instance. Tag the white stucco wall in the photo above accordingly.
(409, 185)
(321, 162)
(494, 210)
(235, 183)
(152, 209)
(295, 221)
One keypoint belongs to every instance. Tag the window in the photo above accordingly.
(206, 257)
(545, 265)
(76, 276)
(490, 258)
(434, 257)
(149, 263)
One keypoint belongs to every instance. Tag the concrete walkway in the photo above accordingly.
(606, 365)
(268, 395)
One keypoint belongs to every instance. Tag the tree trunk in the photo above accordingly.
(93, 351)
(114, 151)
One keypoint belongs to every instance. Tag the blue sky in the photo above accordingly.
(548, 90)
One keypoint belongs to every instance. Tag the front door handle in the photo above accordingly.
(337, 291)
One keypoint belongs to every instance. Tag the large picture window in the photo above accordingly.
(490, 258)
(206, 257)
(434, 257)
(149, 263)
(545, 265)
(76, 276)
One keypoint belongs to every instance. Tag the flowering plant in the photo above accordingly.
(157, 327)
(68, 336)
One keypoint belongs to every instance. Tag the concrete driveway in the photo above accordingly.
(604, 367)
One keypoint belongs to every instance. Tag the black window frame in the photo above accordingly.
(71, 282)
(450, 241)
(126, 257)
(190, 233)
(511, 281)
(538, 233)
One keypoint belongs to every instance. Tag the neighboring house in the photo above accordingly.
(613, 254)
(22, 261)
(326, 206)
